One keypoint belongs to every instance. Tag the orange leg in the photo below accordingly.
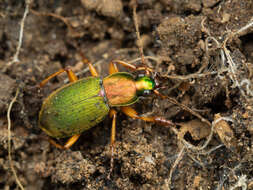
(93, 71)
(132, 113)
(68, 144)
(70, 73)
(113, 115)
(133, 67)
(113, 68)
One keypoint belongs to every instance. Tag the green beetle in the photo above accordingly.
(81, 104)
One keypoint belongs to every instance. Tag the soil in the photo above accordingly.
(185, 42)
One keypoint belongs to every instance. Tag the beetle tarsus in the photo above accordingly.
(164, 122)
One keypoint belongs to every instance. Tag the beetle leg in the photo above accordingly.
(112, 114)
(113, 68)
(68, 144)
(70, 73)
(132, 67)
(93, 71)
(154, 119)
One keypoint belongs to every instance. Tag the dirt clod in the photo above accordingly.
(110, 8)
(7, 86)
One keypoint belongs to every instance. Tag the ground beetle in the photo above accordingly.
(81, 104)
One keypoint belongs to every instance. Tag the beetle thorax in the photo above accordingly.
(120, 89)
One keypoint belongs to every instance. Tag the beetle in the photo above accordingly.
(82, 104)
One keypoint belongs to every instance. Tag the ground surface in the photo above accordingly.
(186, 44)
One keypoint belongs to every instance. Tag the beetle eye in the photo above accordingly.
(146, 92)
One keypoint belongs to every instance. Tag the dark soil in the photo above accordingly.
(180, 37)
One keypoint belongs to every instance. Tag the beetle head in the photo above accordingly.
(145, 85)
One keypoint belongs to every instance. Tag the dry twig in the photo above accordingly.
(9, 141)
(179, 157)
(226, 57)
(196, 148)
(63, 19)
(140, 46)
(242, 182)
(21, 33)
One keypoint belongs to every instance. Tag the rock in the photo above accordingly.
(109, 8)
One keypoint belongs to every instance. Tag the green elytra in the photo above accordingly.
(73, 108)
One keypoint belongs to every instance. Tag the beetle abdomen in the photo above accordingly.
(74, 108)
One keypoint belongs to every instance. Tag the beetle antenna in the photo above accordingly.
(139, 41)
(184, 107)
